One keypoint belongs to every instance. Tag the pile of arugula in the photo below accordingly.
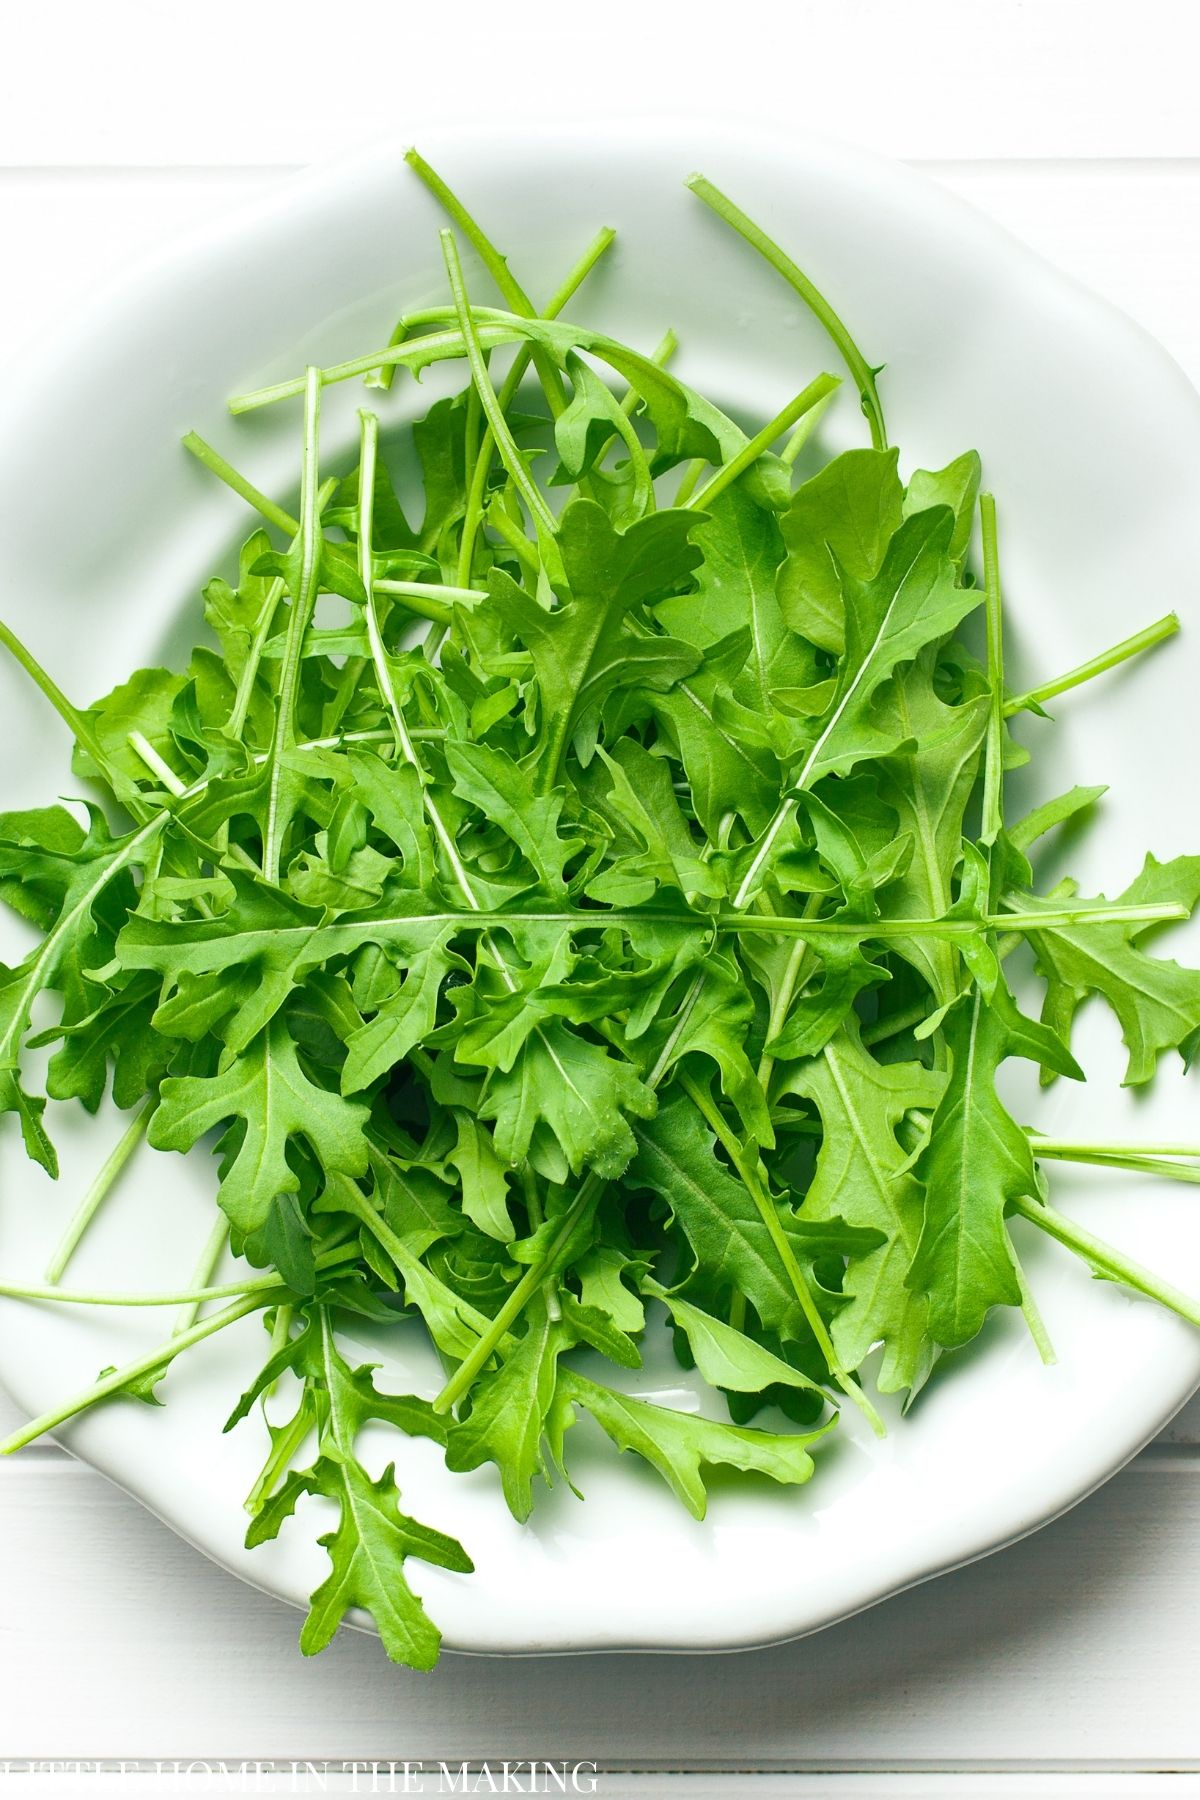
(613, 906)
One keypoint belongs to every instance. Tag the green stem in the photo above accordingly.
(188, 1296)
(153, 1361)
(500, 328)
(284, 1447)
(1162, 628)
(1032, 1313)
(71, 716)
(533, 1278)
(894, 1024)
(142, 747)
(515, 538)
(473, 516)
(427, 601)
(203, 1273)
(752, 1182)
(756, 237)
(236, 723)
(804, 430)
(495, 264)
(993, 762)
(308, 530)
(1107, 1261)
(497, 267)
(506, 444)
(1051, 1146)
(385, 365)
(814, 394)
(687, 487)
(781, 1005)
(1140, 1163)
(533, 1206)
(225, 471)
(105, 1179)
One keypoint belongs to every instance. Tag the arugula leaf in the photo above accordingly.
(582, 649)
(976, 1163)
(267, 1089)
(508, 1413)
(864, 1175)
(839, 524)
(679, 1445)
(373, 1537)
(1155, 1000)
(727, 1358)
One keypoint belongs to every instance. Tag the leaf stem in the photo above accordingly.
(143, 1365)
(184, 1296)
(225, 471)
(993, 762)
(804, 430)
(308, 535)
(815, 394)
(1141, 1162)
(660, 356)
(481, 469)
(533, 1278)
(1107, 1261)
(203, 1273)
(99, 1189)
(70, 715)
(506, 444)
(756, 237)
(1032, 1313)
(1050, 1146)
(752, 1182)
(1145, 639)
(496, 265)
(142, 747)
(236, 723)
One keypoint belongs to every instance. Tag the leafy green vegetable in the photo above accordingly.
(592, 940)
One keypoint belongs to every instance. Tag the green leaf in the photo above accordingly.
(913, 601)
(728, 1358)
(652, 845)
(505, 794)
(373, 1537)
(976, 1162)
(735, 587)
(402, 1017)
(508, 1412)
(955, 486)
(840, 522)
(267, 1089)
(482, 1175)
(577, 1091)
(681, 1445)
(582, 650)
(67, 875)
(864, 1175)
(927, 781)
(1156, 1001)
(727, 775)
(732, 1249)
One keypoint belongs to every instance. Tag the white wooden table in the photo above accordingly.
(1066, 1665)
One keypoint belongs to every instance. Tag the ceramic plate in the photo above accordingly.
(1090, 438)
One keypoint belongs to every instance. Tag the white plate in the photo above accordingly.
(1090, 438)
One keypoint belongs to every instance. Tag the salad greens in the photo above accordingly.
(604, 902)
